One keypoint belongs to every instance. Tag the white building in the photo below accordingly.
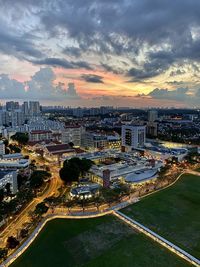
(133, 136)
(14, 163)
(2, 148)
(9, 177)
(72, 134)
(40, 135)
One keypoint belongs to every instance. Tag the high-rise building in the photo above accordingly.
(133, 136)
(17, 118)
(152, 115)
(4, 118)
(152, 129)
(34, 108)
(25, 109)
(11, 105)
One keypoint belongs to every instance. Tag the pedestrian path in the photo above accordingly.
(162, 241)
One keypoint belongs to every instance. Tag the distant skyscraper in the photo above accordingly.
(25, 109)
(152, 115)
(34, 108)
(11, 105)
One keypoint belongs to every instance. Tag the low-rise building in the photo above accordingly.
(114, 142)
(54, 152)
(14, 163)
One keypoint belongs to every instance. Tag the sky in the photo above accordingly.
(136, 53)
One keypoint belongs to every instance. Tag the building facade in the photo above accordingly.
(133, 136)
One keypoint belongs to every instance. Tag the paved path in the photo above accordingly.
(162, 241)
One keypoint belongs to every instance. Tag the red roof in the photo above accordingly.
(32, 143)
(58, 149)
(79, 150)
(40, 131)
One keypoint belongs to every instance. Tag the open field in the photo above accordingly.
(96, 242)
(174, 213)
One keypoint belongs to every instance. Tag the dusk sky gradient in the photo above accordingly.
(133, 53)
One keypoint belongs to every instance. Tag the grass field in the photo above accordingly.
(96, 242)
(174, 213)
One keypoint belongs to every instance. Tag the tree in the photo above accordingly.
(14, 148)
(12, 242)
(3, 253)
(8, 190)
(71, 144)
(23, 233)
(41, 208)
(85, 165)
(21, 138)
(69, 174)
(20, 179)
(5, 141)
(36, 181)
(73, 168)
(1, 195)
(37, 178)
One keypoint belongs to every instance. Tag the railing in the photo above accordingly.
(175, 249)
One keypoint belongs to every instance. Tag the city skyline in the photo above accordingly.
(120, 53)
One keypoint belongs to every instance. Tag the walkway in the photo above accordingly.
(162, 241)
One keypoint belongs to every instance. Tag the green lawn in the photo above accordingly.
(101, 242)
(174, 213)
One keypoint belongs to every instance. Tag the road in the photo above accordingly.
(18, 222)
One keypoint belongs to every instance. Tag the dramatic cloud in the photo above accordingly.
(180, 94)
(57, 62)
(92, 78)
(136, 40)
(40, 87)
